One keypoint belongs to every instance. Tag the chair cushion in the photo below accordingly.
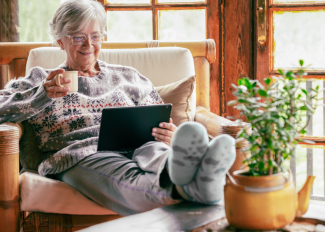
(180, 94)
(41, 194)
(161, 65)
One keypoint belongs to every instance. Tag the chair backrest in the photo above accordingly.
(161, 65)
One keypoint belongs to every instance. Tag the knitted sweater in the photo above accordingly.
(67, 128)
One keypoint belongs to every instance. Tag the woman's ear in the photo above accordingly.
(60, 44)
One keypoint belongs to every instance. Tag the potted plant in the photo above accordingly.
(262, 197)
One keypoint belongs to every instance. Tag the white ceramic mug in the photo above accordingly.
(72, 75)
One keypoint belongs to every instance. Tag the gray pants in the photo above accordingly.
(128, 184)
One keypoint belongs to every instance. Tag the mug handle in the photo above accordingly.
(57, 80)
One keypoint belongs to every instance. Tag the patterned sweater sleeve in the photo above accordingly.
(150, 96)
(25, 97)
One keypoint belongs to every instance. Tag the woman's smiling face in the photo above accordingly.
(82, 57)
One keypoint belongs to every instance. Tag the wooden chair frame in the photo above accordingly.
(13, 58)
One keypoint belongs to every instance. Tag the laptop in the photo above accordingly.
(124, 129)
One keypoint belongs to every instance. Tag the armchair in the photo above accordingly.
(34, 197)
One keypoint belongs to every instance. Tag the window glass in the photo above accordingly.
(182, 24)
(318, 117)
(299, 35)
(33, 19)
(181, 1)
(129, 25)
(301, 166)
(297, 1)
(120, 2)
(317, 155)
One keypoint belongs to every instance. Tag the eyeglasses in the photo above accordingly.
(81, 39)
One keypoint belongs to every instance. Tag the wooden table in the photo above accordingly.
(193, 217)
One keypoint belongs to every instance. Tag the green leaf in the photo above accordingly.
(303, 108)
(289, 74)
(262, 93)
(240, 82)
(280, 71)
(303, 131)
(269, 144)
(304, 91)
(267, 81)
(300, 72)
(301, 62)
(261, 166)
(247, 83)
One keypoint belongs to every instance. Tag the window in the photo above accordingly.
(33, 19)
(131, 20)
(294, 30)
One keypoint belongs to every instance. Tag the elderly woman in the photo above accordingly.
(182, 164)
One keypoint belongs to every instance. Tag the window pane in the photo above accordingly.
(181, 1)
(33, 26)
(301, 166)
(299, 35)
(318, 117)
(118, 2)
(182, 24)
(317, 156)
(297, 1)
(316, 128)
(129, 25)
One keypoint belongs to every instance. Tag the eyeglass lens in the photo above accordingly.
(80, 39)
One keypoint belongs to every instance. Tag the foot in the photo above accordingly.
(207, 185)
(189, 143)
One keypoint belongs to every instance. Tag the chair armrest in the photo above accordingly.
(9, 177)
(18, 125)
(211, 121)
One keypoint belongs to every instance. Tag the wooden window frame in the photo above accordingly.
(154, 6)
(264, 53)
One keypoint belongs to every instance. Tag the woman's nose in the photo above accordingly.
(88, 43)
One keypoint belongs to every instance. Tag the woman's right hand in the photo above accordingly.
(52, 89)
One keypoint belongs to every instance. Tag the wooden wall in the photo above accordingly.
(9, 21)
(231, 24)
(238, 47)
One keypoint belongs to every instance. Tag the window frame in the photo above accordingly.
(154, 6)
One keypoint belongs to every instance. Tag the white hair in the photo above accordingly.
(73, 15)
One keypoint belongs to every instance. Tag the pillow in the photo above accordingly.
(180, 94)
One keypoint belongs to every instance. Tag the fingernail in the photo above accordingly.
(161, 124)
(154, 130)
(67, 89)
(153, 134)
(67, 80)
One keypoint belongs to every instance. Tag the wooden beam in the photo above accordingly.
(213, 32)
(9, 21)
(238, 46)
(262, 51)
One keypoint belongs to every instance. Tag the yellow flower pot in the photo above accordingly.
(264, 202)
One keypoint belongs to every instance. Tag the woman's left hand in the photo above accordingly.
(165, 132)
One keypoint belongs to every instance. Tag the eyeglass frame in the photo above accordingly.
(87, 37)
